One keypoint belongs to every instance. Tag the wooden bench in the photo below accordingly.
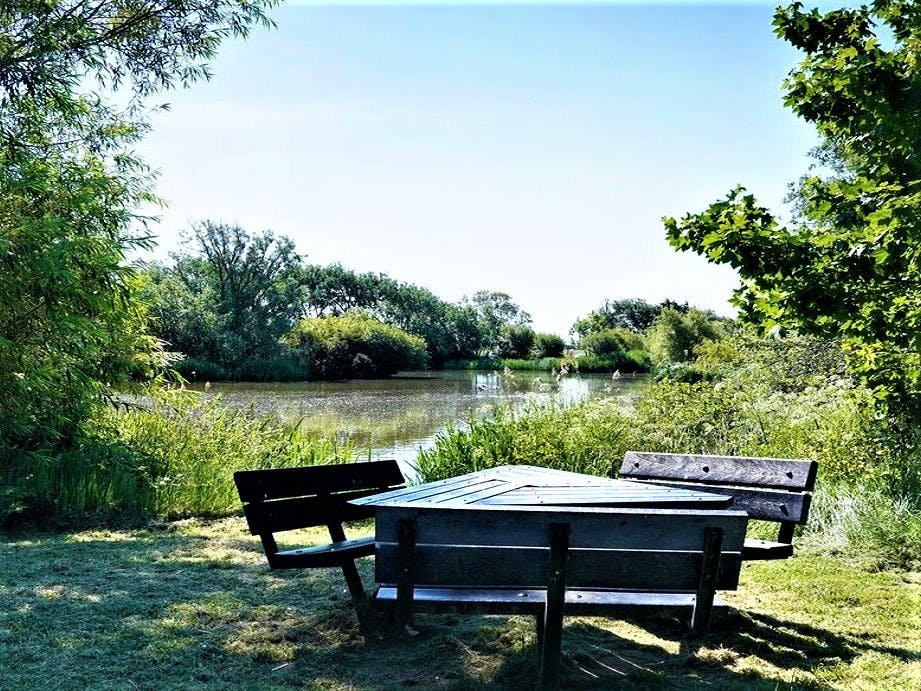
(547, 563)
(284, 499)
(769, 489)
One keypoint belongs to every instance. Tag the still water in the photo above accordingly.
(394, 418)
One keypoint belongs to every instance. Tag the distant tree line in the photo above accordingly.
(237, 305)
(248, 306)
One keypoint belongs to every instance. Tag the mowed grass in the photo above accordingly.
(193, 605)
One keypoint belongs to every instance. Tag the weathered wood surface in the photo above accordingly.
(552, 562)
(761, 504)
(769, 489)
(587, 603)
(633, 549)
(279, 483)
(533, 486)
(776, 473)
(285, 499)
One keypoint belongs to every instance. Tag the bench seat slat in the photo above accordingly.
(321, 556)
(487, 566)
(531, 601)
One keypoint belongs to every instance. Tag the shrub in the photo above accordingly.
(515, 341)
(604, 344)
(354, 346)
(547, 346)
(674, 335)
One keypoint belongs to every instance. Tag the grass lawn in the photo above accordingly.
(194, 605)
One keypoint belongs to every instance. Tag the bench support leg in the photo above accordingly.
(405, 576)
(553, 611)
(349, 570)
(703, 603)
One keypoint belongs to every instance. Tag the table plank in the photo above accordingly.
(535, 486)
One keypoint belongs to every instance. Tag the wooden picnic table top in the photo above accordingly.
(524, 486)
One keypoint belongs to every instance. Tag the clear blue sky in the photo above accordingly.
(525, 148)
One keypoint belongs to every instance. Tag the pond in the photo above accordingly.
(396, 417)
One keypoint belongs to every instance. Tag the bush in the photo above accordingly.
(547, 346)
(607, 344)
(515, 341)
(628, 363)
(354, 346)
(674, 335)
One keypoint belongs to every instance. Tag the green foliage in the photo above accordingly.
(196, 370)
(172, 458)
(515, 341)
(72, 326)
(626, 363)
(585, 439)
(232, 300)
(547, 345)
(632, 314)
(674, 336)
(608, 343)
(354, 346)
(495, 311)
(547, 364)
(450, 331)
(848, 265)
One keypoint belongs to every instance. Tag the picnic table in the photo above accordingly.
(545, 542)
(523, 485)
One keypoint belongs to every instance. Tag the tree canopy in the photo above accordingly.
(71, 326)
(848, 264)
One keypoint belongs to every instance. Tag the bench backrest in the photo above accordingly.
(630, 549)
(282, 499)
(769, 489)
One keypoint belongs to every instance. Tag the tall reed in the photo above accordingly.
(171, 457)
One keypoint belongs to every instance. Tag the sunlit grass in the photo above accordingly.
(192, 604)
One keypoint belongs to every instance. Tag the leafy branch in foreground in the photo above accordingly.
(71, 325)
(849, 263)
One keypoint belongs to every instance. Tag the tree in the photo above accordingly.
(450, 331)
(494, 311)
(548, 345)
(848, 264)
(633, 314)
(334, 290)
(71, 325)
(674, 335)
(515, 341)
(231, 300)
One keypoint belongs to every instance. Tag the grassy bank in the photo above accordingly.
(193, 605)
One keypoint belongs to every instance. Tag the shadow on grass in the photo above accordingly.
(200, 608)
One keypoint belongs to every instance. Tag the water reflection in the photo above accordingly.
(394, 418)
